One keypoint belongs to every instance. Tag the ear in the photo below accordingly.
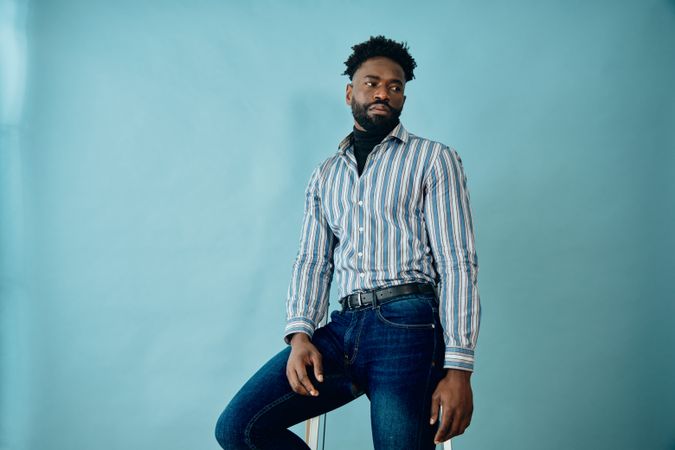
(404, 97)
(348, 94)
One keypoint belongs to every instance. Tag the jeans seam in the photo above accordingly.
(357, 339)
(404, 326)
(348, 330)
(247, 431)
(420, 432)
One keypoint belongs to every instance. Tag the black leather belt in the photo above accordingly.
(378, 296)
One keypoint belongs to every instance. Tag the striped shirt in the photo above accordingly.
(406, 218)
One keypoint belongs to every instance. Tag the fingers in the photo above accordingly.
(461, 420)
(466, 421)
(435, 408)
(453, 423)
(299, 381)
(443, 432)
(454, 428)
(292, 376)
(464, 426)
(305, 382)
(296, 372)
(318, 366)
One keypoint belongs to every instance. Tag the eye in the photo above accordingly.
(396, 88)
(369, 83)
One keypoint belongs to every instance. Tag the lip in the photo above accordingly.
(379, 108)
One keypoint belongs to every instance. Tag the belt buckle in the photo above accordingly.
(359, 298)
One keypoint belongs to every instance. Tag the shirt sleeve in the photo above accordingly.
(309, 289)
(451, 236)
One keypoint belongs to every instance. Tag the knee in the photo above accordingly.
(230, 431)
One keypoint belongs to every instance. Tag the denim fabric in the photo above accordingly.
(393, 353)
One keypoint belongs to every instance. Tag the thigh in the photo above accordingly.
(266, 403)
(405, 363)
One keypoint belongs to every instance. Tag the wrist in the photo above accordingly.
(458, 375)
(297, 338)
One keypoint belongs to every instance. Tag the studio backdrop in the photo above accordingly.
(153, 159)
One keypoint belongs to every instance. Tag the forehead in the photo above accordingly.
(381, 67)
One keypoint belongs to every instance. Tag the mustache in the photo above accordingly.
(379, 102)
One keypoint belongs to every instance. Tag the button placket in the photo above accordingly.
(359, 236)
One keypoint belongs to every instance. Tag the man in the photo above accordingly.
(389, 215)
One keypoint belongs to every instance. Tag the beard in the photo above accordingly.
(376, 123)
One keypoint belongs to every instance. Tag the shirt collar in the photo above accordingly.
(399, 132)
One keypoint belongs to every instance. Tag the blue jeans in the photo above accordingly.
(392, 352)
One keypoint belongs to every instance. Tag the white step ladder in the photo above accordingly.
(315, 432)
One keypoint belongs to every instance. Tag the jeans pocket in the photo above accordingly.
(414, 311)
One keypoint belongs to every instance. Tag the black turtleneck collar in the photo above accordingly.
(368, 137)
(364, 141)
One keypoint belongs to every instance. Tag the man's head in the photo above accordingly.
(378, 70)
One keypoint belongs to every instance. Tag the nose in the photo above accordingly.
(381, 93)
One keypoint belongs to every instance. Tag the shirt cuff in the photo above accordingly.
(298, 325)
(458, 358)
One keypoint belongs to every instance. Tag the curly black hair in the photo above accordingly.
(381, 46)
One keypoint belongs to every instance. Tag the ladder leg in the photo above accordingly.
(312, 427)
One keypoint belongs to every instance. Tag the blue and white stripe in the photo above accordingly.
(406, 218)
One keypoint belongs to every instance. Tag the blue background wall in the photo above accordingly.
(153, 161)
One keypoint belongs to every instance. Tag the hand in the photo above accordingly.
(454, 394)
(303, 354)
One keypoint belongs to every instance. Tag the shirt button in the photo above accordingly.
(360, 202)
(362, 274)
(360, 229)
(360, 254)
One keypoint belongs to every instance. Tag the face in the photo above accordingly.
(376, 94)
